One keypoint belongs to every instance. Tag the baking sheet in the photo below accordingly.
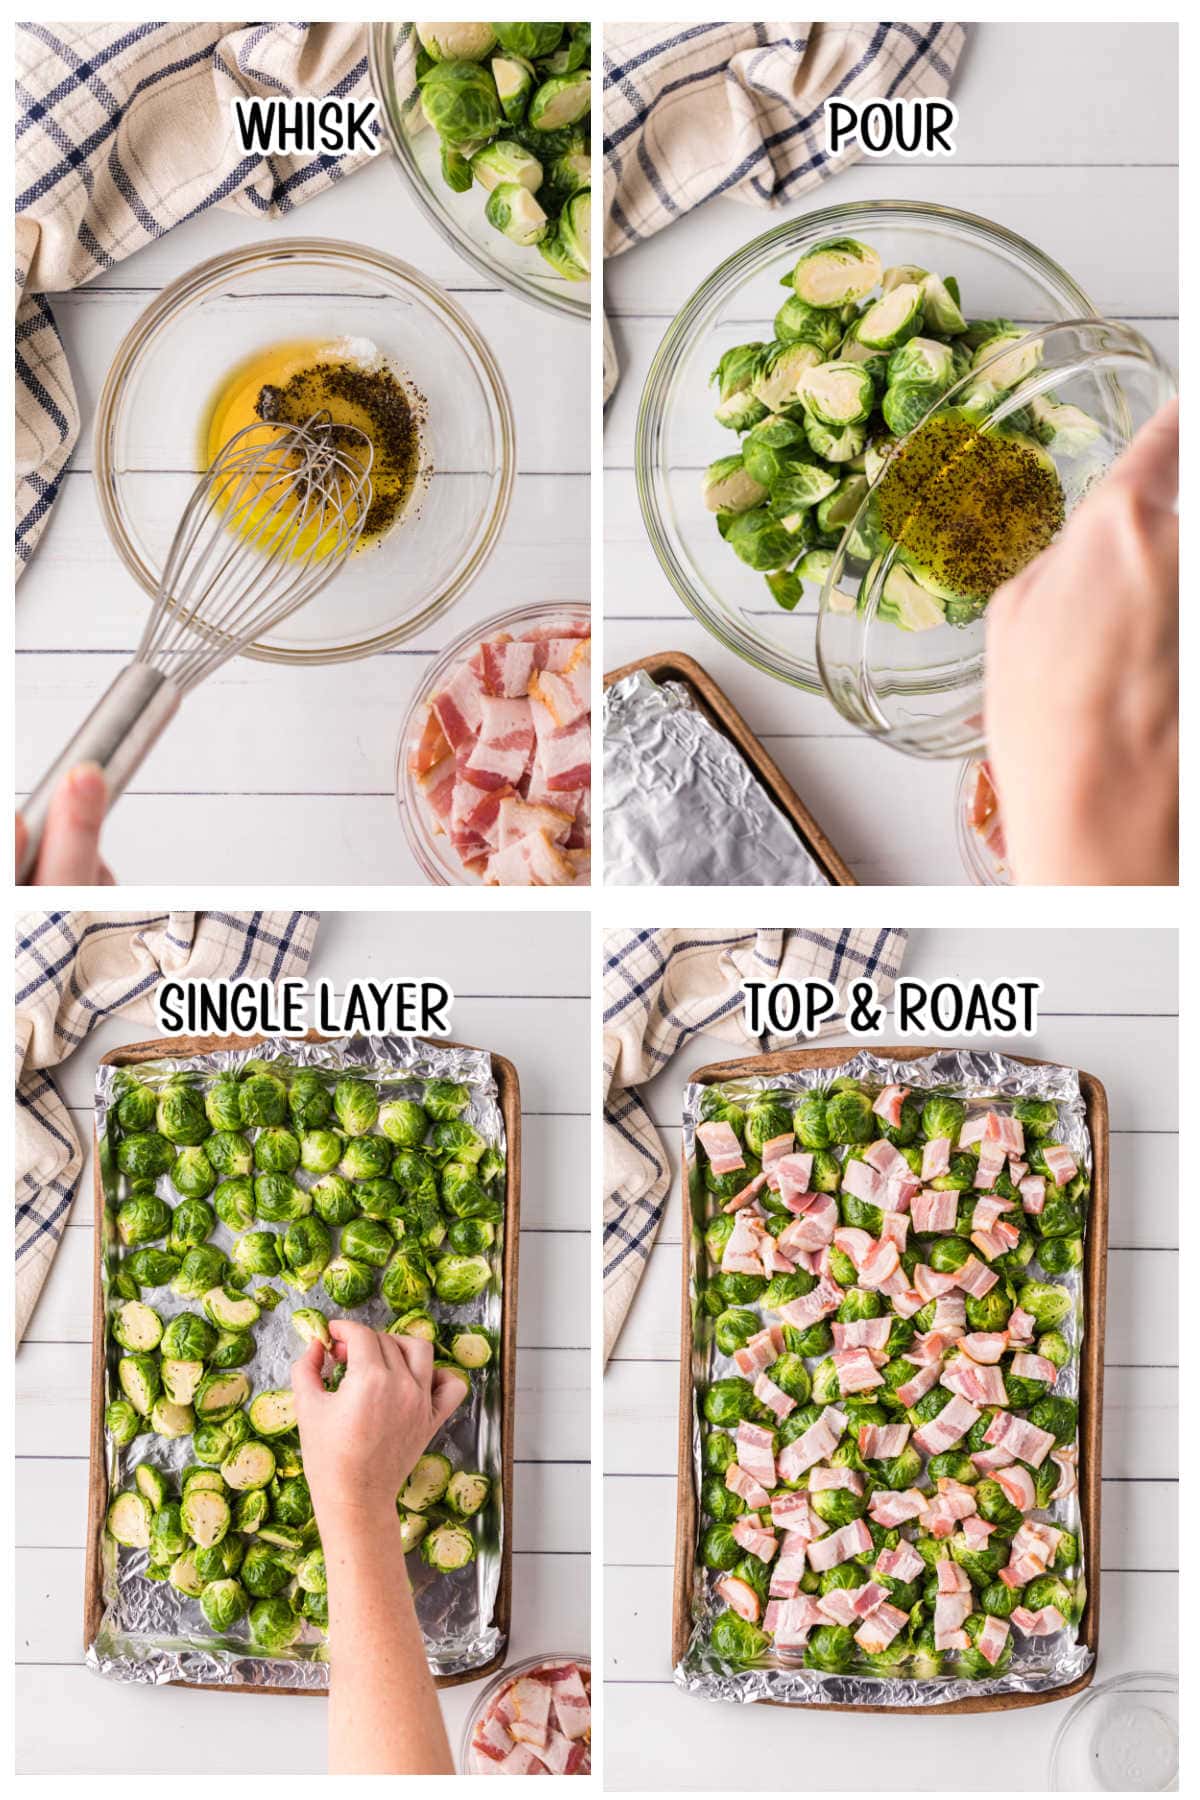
(682, 807)
(150, 1633)
(1040, 1667)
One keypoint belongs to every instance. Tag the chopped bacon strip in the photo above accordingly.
(880, 1264)
(1042, 1623)
(877, 1443)
(949, 1612)
(886, 1159)
(1016, 1484)
(876, 1633)
(791, 1513)
(793, 1620)
(951, 1579)
(1061, 1164)
(985, 1346)
(976, 1279)
(992, 1639)
(745, 1195)
(745, 1487)
(935, 1159)
(998, 1241)
(504, 748)
(855, 1243)
(862, 1181)
(791, 1174)
(758, 1353)
(1033, 1193)
(1034, 1368)
(857, 1373)
(815, 1226)
(934, 1211)
(823, 1479)
(1020, 1326)
(815, 1445)
(721, 1146)
(989, 1210)
(943, 1432)
(890, 1507)
(530, 1702)
(806, 1309)
(888, 1104)
(901, 1564)
(1003, 1129)
(981, 1384)
(972, 1131)
(899, 1192)
(740, 1596)
(929, 1282)
(1026, 1442)
(861, 1334)
(776, 1148)
(787, 1571)
(754, 1538)
(781, 1404)
(839, 1546)
(1068, 1475)
(756, 1453)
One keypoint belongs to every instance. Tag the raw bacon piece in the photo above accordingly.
(899, 1191)
(1034, 1368)
(888, 1104)
(935, 1158)
(781, 1404)
(508, 666)
(861, 1334)
(518, 819)
(984, 1346)
(1061, 1164)
(976, 1279)
(930, 1283)
(1026, 1442)
(740, 1596)
(806, 1309)
(1020, 1326)
(881, 1263)
(721, 1146)
(853, 1242)
(754, 1538)
(861, 1180)
(1068, 1477)
(976, 1531)
(504, 748)
(876, 1633)
(521, 1760)
(886, 1159)
(758, 1353)
(901, 1564)
(949, 1612)
(877, 1443)
(1003, 1129)
(982, 1385)
(890, 1507)
(951, 1579)
(1016, 1484)
(792, 1174)
(996, 1242)
(776, 1148)
(857, 1374)
(839, 1546)
(572, 1701)
(911, 1390)
(1033, 1193)
(788, 1568)
(790, 1513)
(745, 1487)
(746, 1194)
(813, 1446)
(1042, 1623)
(1017, 1170)
(565, 756)
(794, 1620)
(529, 1699)
(566, 695)
(532, 861)
(992, 1639)
(934, 1211)
(991, 1162)
(989, 1210)
(944, 1431)
(972, 1131)
(823, 1479)
(814, 1228)
(756, 1453)
(458, 707)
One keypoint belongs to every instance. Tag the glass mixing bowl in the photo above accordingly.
(392, 52)
(999, 274)
(164, 378)
(981, 863)
(922, 690)
(433, 851)
(1121, 1736)
(510, 1673)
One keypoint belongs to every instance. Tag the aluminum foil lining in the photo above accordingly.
(151, 1633)
(681, 806)
(985, 1079)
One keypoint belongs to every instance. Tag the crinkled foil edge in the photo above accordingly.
(1039, 1665)
(127, 1655)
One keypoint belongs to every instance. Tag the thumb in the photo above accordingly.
(306, 1375)
(446, 1394)
(22, 837)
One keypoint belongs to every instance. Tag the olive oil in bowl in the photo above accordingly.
(350, 382)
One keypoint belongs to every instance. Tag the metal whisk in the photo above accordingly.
(268, 525)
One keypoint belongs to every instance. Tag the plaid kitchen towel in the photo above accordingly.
(76, 969)
(661, 988)
(122, 132)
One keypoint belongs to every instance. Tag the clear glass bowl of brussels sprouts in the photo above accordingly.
(455, 177)
(237, 312)
(436, 857)
(749, 539)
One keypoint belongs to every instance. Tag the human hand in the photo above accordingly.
(361, 1440)
(70, 852)
(1082, 683)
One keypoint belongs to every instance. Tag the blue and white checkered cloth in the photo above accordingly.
(662, 988)
(76, 969)
(693, 111)
(122, 132)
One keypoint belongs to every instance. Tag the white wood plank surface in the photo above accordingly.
(242, 788)
(70, 1721)
(1073, 181)
(1109, 1006)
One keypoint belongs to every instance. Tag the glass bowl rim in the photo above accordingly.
(742, 263)
(383, 87)
(1128, 1681)
(419, 838)
(509, 1672)
(172, 303)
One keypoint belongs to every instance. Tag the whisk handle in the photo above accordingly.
(118, 734)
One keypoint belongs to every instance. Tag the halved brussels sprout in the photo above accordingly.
(129, 1519)
(273, 1412)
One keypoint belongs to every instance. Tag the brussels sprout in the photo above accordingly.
(447, 1547)
(193, 1175)
(234, 1203)
(273, 1625)
(356, 1104)
(142, 1218)
(959, 1178)
(123, 1421)
(151, 1268)
(719, 1549)
(720, 1502)
(836, 271)
(250, 1465)
(333, 1200)
(403, 1123)
(256, 1253)
(193, 1223)
(1055, 1348)
(205, 1515)
(233, 1349)
(145, 1156)
(380, 1198)
(1048, 1304)
(129, 1520)
(728, 1401)
(1057, 1415)
(264, 1099)
(830, 1648)
(458, 1279)
(1039, 1119)
(837, 394)
(452, 1141)
(427, 1483)
(810, 1124)
(759, 539)
(273, 1412)
(291, 1502)
(201, 1268)
(467, 1494)
(221, 1394)
(767, 1119)
(349, 1283)
(849, 1119)
(137, 1107)
(172, 1419)
(1052, 1590)
(181, 1117)
(471, 1348)
(230, 1310)
(189, 1337)
(136, 1326)
(229, 1153)
(989, 1313)
(982, 1566)
(312, 1325)
(223, 1603)
(994, 1506)
(279, 1199)
(471, 1237)
(789, 1373)
(734, 1328)
(140, 1381)
(309, 1101)
(1058, 1255)
(307, 1247)
(782, 1288)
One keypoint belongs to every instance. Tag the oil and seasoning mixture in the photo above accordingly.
(350, 381)
(971, 507)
